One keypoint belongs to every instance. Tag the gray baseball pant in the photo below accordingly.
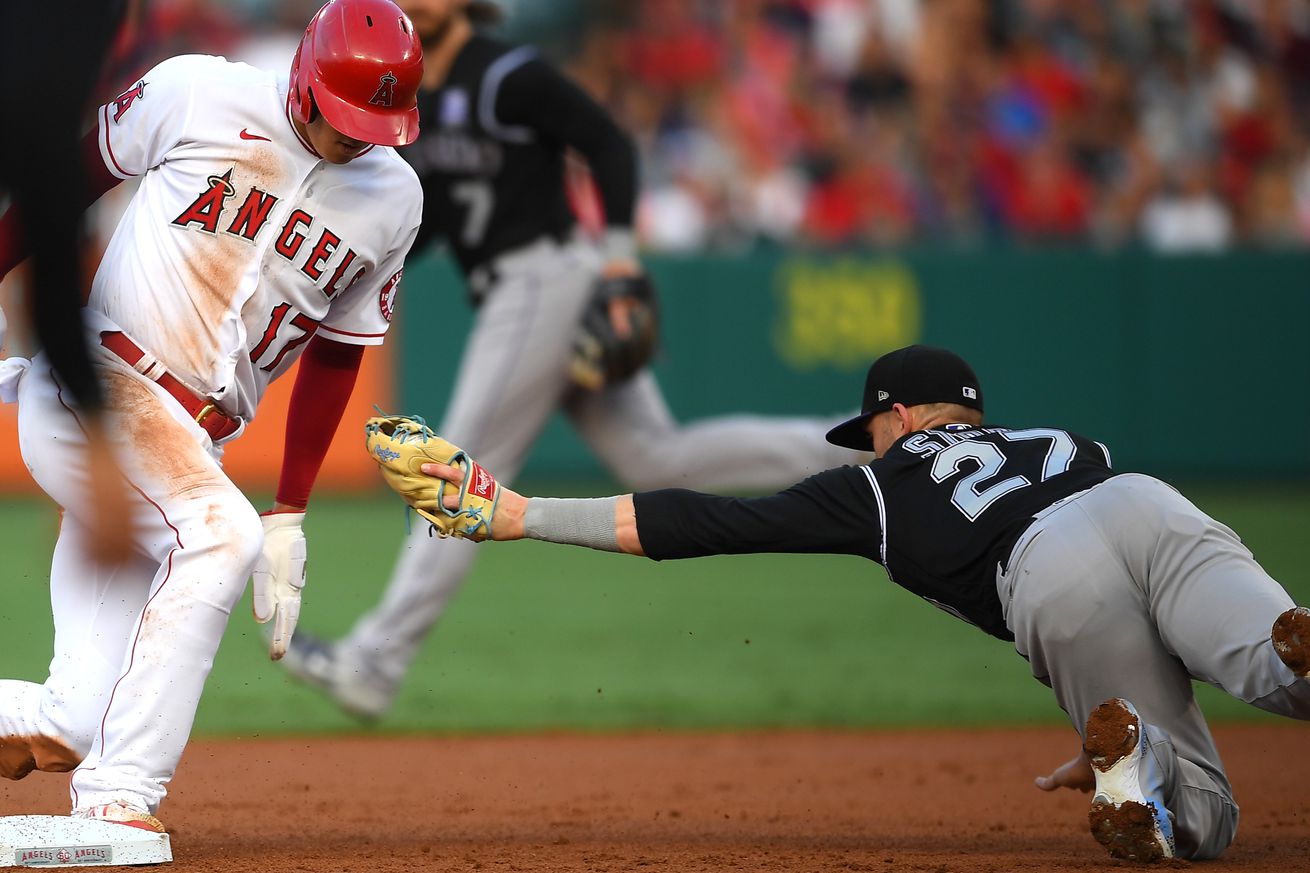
(513, 376)
(1128, 590)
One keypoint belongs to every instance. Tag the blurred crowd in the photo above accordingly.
(1178, 124)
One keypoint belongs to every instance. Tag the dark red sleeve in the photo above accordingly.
(10, 244)
(323, 385)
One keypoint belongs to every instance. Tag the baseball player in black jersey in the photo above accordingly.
(496, 122)
(1115, 588)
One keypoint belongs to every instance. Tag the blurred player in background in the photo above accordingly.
(497, 124)
(271, 220)
(44, 176)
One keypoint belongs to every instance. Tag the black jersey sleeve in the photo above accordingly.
(833, 512)
(537, 96)
(429, 229)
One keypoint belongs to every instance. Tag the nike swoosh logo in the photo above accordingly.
(245, 134)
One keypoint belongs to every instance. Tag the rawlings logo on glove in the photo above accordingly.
(401, 444)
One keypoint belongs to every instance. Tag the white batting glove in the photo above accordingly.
(278, 578)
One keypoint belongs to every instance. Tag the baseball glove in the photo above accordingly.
(400, 444)
(600, 356)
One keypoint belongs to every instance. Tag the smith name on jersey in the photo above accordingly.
(242, 242)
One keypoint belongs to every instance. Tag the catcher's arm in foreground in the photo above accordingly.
(831, 512)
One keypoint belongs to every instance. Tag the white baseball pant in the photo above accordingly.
(133, 644)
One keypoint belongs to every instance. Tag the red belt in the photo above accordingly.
(211, 419)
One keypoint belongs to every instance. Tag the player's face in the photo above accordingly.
(430, 17)
(332, 144)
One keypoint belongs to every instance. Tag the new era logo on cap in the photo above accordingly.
(915, 375)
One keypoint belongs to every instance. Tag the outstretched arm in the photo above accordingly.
(606, 523)
(677, 523)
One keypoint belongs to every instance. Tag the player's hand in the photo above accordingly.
(279, 576)
(620, 308)
(506, 524)
(620, 267)
(1075, 773)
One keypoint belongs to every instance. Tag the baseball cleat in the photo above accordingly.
(1291, 639)
(121, 813)
(1128, 814)
(354, 687)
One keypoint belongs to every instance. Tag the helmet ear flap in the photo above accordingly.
(297, 97)
(302, 94)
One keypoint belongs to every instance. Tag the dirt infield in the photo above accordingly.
(930, 801)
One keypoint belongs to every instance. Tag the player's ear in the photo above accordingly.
(904, 417)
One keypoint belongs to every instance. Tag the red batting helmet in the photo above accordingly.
(360, 64)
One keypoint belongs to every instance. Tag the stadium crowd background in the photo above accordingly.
(1177, 124)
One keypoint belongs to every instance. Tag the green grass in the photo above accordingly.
(547, 637)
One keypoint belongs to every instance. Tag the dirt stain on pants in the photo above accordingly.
(21, 755)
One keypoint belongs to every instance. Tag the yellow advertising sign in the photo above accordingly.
(845, 313)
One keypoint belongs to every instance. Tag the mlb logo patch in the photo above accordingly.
(455, 108)
(971, 393)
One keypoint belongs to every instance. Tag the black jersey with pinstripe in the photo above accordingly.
(939, 511)
(491, 153)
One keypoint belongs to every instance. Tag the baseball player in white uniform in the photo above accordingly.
(497, 122)
(271, 221)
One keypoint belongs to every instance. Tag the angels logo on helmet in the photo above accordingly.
(386, 90)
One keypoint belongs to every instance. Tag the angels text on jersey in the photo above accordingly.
(241, 242)
(210, 211)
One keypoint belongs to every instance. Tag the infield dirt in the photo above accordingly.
(926, 801)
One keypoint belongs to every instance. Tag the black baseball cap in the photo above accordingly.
(909, 376)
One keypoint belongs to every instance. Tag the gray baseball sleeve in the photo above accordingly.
(575, 521)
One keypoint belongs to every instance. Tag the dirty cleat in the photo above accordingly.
(121, 813)
(1291, 639)
(1128, 814)
(354, 687)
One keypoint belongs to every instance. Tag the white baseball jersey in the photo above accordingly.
(242, 242)
(239, 245)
